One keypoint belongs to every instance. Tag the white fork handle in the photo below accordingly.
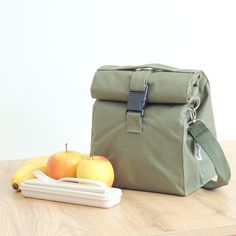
(84, 181)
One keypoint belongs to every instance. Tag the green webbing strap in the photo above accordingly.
(134, 122)
(138, 82)
(204, 137)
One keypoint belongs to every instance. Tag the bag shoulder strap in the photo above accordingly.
(204, 137)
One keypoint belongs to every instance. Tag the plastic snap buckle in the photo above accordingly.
(137, 101)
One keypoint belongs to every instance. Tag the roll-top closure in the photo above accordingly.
(153, 67)
(166, 84)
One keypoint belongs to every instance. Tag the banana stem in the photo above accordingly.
(66, 147)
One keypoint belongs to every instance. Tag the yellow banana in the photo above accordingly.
(26, 162)
(25, 172)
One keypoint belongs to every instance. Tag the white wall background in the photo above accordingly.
(49, 51)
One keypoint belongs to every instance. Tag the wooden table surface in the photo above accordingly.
(139, 213)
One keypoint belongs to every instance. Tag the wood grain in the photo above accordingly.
(140, 213)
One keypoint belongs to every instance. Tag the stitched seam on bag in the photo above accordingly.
(189, 89)
(183, 170)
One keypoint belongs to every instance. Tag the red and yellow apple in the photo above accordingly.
(63, 164)
(96, 168)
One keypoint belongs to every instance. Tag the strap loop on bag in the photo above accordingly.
(134, 122)
(204, 137)
(137, 100)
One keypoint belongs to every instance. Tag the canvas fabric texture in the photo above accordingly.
(154, 149)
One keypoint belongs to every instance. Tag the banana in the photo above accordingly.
(29, 161)
(25, 172)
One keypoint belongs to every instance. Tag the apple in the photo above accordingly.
(96, 168)
(63, 164)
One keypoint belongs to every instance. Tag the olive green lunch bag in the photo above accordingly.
(155, 124)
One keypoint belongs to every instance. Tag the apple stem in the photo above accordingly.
(66, 146)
